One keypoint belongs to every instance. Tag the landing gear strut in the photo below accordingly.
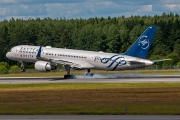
(68, 75)
(22, 66)
(89, 73)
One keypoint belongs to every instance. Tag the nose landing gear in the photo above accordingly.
(22, 67)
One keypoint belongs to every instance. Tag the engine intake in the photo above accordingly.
(44, 66)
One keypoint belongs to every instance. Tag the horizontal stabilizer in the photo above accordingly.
(135, 62)
(141, 62)
(160, 60)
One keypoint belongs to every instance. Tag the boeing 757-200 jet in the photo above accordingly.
(48, 58)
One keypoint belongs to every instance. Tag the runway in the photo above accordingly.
(124, 79)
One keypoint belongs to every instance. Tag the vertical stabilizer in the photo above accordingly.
(141, 46)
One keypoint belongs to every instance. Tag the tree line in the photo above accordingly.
(97, 34)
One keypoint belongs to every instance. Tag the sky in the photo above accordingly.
(25, 9)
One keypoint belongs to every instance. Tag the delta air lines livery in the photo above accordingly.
(48, 58)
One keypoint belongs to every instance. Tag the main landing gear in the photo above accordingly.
(89, 74)
(22, 67)
(68, 75)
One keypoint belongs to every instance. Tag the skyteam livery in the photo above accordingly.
(48, 58)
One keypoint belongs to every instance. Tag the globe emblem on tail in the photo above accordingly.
(143, 42)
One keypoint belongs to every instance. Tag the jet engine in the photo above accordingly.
(44, 66)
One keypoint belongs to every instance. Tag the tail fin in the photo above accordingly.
(141, 46)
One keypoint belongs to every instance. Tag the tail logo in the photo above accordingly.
(143, 42)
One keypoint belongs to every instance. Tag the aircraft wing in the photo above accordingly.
(77, 64)
(57, 62)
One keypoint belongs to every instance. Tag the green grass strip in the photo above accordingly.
(87, 85)
(126, 98)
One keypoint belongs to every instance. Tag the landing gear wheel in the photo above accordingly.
(68, 76)
(89, 74)
(23, 70)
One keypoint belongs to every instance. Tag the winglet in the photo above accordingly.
(39, 52)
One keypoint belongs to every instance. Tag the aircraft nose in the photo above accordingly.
(8, 55)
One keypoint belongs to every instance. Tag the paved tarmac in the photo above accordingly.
(89, 117)
(81, 79)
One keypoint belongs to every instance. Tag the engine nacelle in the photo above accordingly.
(44, 66)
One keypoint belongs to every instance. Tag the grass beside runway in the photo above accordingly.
(126, 98)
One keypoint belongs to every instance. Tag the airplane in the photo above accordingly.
(48, 58)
